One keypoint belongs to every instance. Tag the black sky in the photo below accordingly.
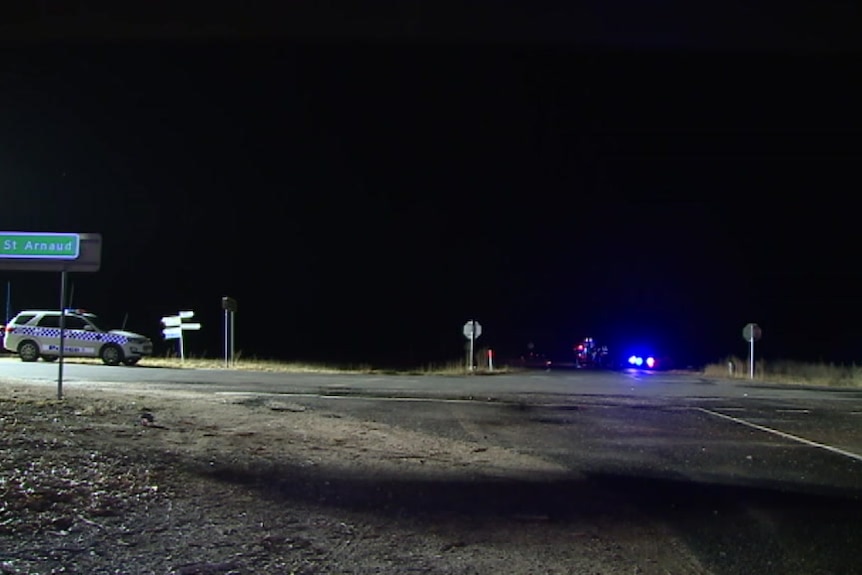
(363, 196)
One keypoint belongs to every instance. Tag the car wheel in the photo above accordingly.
(111, 354)
(50, 358)
(130, 361)
(28, 351)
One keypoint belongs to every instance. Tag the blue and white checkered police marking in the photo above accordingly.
(73, 333)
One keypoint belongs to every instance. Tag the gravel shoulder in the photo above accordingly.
(127, 481)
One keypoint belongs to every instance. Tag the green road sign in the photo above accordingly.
(39, 245)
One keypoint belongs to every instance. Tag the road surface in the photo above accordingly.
(760, 478)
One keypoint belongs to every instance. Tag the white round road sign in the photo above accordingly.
(751, 331)
(472, 329)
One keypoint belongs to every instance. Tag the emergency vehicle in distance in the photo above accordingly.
(649, 362)
(589, 354)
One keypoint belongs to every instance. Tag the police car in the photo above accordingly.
(36, 333)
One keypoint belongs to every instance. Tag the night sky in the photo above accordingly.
(362, 198)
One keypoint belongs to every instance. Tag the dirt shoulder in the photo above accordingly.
(126, 481)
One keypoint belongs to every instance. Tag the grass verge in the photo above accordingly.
(788, 371)
(453, 368)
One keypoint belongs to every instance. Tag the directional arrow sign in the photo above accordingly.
(192, 326)
(37, 245)
(172, 321)
(187, 314)
(172, 332)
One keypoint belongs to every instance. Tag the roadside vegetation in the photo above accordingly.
(788, 371)
(257, 364)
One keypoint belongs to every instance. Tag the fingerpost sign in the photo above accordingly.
(175, 326)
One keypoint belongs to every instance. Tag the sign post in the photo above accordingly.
(750, 333)
(228, 304)
(8, 302)
(175, 326)
(51, 252)
(62, 334)
(472, 330)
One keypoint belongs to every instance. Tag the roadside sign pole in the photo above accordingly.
(472, 330)
(232, 338)
(62, 334)
(472, 343)
(750, 333)
(226, 338)
(8, 301)
(751, 362)
(228, 304)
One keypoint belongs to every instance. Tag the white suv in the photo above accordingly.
(35, 334)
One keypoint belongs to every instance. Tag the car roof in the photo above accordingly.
(54, 312)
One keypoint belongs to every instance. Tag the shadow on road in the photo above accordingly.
(731, 528)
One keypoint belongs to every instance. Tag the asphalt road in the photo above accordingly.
(758, 478)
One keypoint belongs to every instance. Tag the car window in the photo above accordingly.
(76, 323)
(49, 321)
(96, 323)
(23, 319)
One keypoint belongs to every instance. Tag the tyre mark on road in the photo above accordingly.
(784, 435)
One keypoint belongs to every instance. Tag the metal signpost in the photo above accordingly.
(472, 331)
(750, 333)
(8, 302)
(228, 304)
(52, 252)
(175, 326)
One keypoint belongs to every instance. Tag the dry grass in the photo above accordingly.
(254, 364)
(792, 372)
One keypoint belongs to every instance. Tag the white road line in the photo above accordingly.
(784, 435)
(792, 411)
